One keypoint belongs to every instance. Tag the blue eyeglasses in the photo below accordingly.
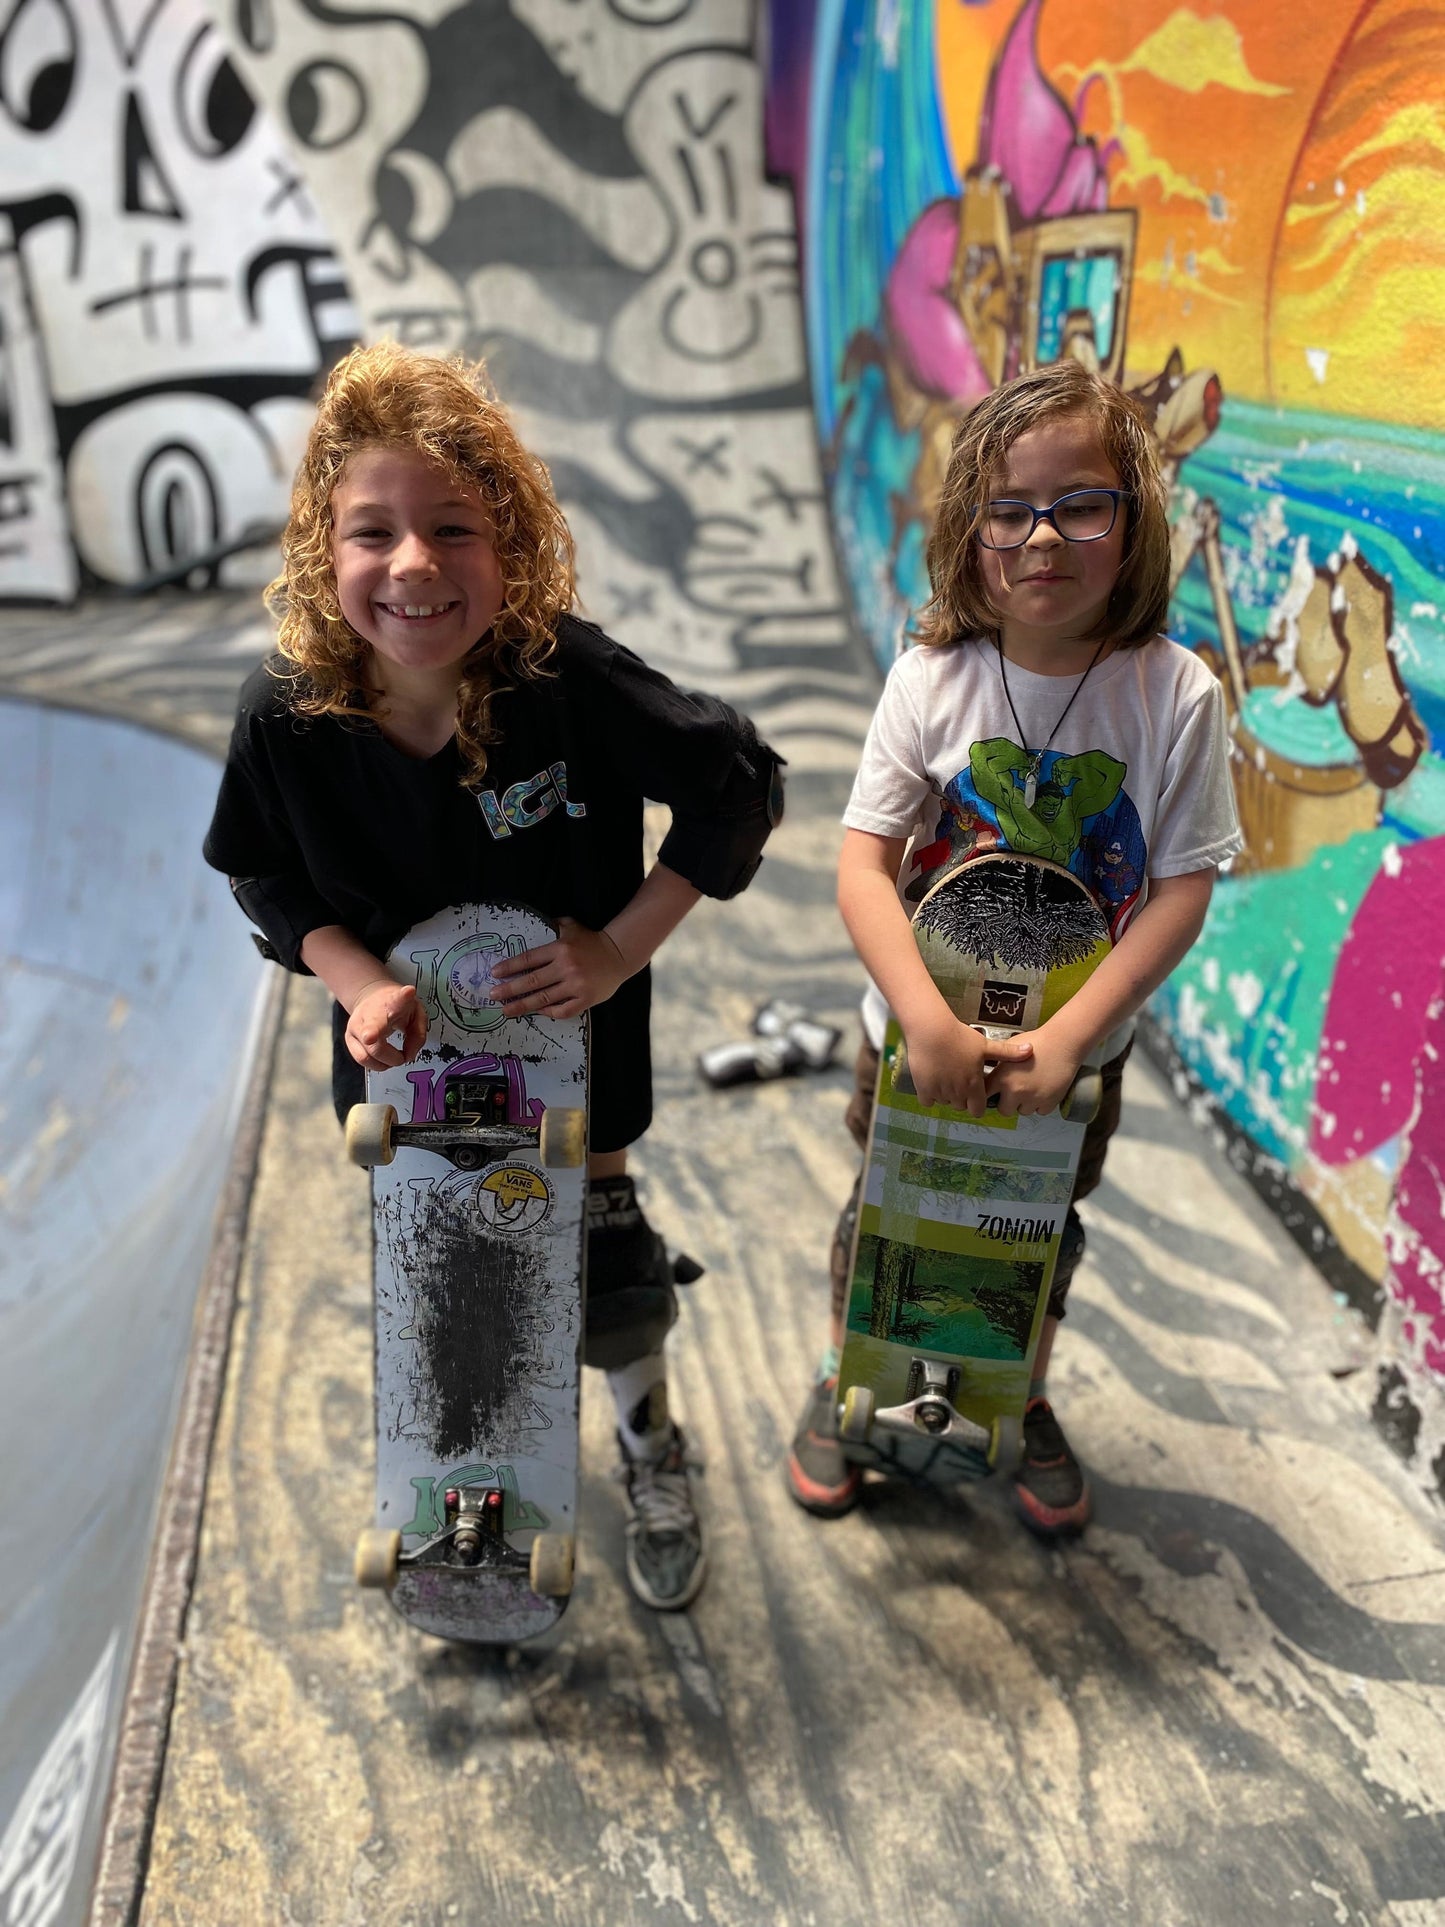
(1083, 515)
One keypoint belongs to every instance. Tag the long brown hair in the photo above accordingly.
(388, 396)
(1139, 603)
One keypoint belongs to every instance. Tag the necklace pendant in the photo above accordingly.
(1031, 782)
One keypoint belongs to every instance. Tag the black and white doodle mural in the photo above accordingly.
(165, 280)
(570, 188)
(573, 190)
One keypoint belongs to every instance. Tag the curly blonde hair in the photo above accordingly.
(960, 606)
(392, 397)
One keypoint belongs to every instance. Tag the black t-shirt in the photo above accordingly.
(324, 821)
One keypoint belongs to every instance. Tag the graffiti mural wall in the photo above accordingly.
(168, 294)
(572, 189)
(1239, 213)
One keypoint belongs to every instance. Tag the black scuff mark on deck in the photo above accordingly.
(480, 1323)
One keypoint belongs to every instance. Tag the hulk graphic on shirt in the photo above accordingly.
(1077, 788)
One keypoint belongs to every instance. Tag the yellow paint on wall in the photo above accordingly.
(1356, 284)
(1141, 165)
(1191, 53)
(1287, 159)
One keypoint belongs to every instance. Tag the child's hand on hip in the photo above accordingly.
(383, 1009)
(1039, 1085)
(947, 1061)
(581, 968)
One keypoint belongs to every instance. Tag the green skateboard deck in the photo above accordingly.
(960, 1218)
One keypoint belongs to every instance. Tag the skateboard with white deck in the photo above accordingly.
(478, 1158)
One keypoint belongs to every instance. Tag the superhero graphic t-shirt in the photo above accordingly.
(1134, 784)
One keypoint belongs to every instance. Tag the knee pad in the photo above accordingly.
(631, 1281)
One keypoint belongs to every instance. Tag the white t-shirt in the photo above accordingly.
(1135, 783)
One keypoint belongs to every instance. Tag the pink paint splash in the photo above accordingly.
(1416, 1239)
(1029, 137)
(1382, 1074)
(1382, 986)
(922, 322)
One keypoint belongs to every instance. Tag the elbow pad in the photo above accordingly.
(719, 852)
(284, 910)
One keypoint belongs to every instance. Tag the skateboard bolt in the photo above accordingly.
(933, 1414)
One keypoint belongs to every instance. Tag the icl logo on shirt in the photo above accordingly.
(529, 802)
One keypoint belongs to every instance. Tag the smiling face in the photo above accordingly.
(1050, 592)
(416, 574)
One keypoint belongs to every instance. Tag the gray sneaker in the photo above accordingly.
(666, 1562)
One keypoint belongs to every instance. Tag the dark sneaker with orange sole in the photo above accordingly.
(819, 1477)
(1050, 1490)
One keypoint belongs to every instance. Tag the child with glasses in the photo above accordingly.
(1042, 711)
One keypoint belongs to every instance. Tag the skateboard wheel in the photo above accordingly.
(563, 1138)
(368, 1134)
(1086, 1094)
(553, 1555)
(377, 1553)
(1005, 1443)
(857, 1420)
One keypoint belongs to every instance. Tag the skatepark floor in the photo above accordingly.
(1225, 1703)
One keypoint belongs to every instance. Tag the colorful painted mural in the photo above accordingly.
(1238, 213)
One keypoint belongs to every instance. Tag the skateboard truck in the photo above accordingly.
(929, 1407)
(477, 1517)
(931, 1389)
(813, 1040)
(475, 1514)
(473, 1535)
(374, 1134)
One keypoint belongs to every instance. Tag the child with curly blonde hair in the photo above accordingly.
(439, 727)
(1044, 711)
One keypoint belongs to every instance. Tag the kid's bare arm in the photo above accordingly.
(946, 1058)
(661, 903)
(375, 1003)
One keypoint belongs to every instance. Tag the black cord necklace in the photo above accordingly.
(1036, 756)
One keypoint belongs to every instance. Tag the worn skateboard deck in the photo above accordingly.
(479, 1249)
(960, 1218)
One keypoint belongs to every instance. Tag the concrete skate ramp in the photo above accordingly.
(128, 1003)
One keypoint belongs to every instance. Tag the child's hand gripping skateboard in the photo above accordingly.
(579, 969)
(978, 1067)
